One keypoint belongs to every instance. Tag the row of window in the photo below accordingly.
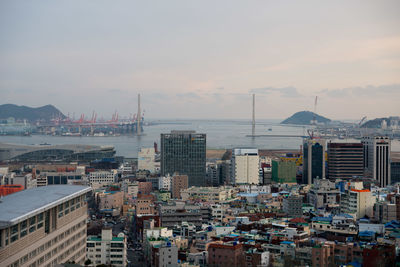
(70, 206)
(20, 230)
(50, 244)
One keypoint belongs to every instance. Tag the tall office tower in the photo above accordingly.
(184, 152)
(345, 160)
(377, 159)
(44, 226)
(313, 160)
(245, 166)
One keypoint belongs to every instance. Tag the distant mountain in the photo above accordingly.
(377, 123)
(305, 118)
(45, 113)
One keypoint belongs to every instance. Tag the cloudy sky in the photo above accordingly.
(202, 59)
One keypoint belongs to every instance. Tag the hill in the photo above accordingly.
(45, 113)
(305, 118)
(377, 123)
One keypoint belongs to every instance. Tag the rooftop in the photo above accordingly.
(98, 239)
(24, 204)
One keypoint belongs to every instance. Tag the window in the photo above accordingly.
(66, 208)
(72, 205)
(7, 235)
(60, 210)
(14, 233)
(32, 224)
(40, 221)
(24, 230)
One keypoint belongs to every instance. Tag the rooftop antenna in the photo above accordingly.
(253, 124)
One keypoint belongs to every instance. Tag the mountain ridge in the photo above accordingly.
(305, 118)
(46, 112)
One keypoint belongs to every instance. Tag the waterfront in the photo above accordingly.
(220, 134)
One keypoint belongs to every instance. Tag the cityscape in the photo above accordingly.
(200, 134)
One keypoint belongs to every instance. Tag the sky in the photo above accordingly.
(202, 59)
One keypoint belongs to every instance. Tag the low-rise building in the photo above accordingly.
(110, 200)
(177, 212)
(322, 193)
(99, 179)
(225, 254)
(384, 212)
(208, 194)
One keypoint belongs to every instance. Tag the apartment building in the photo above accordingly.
(43, 226)
(245, 166)
(179, 182)
(292, 205)
(357, 202)
(107, 249)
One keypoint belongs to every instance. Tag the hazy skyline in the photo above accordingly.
(202, 59)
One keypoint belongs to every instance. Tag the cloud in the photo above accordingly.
(369, 90)
(284, 91)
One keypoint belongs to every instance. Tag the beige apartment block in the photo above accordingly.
(43, 226)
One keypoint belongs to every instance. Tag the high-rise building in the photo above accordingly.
(345, 160)
(184, 152)
(395, 172)
(314, 160)
(44, 226)
(377, 159)
(245, 166)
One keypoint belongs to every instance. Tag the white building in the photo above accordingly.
(106, 249)
(357, 203)
(377, 159)
(245, 166)
(266, 189)
(146, 159)
(164, 183)
(100, 178)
